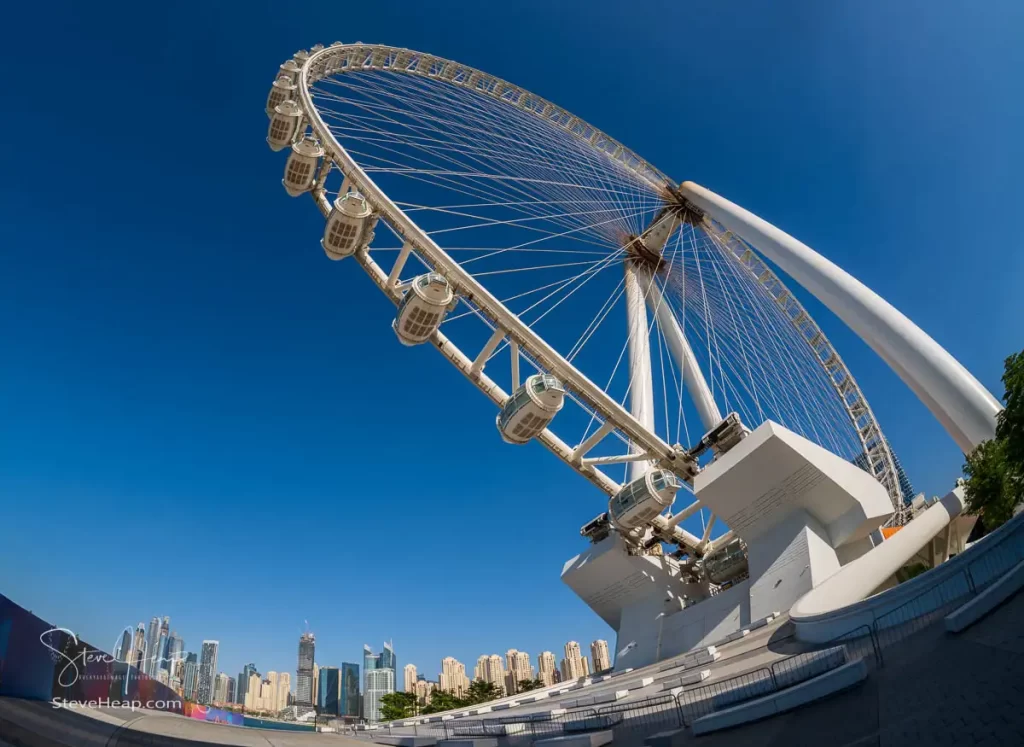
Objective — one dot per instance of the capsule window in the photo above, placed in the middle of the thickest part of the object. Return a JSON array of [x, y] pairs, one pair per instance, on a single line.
[[529, 426], [298, 171], [280, 129], [343, 235]]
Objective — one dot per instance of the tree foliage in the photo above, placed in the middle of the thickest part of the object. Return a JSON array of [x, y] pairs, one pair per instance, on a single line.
[[397, 706], [527, 685], [995, 469], [479, 692]]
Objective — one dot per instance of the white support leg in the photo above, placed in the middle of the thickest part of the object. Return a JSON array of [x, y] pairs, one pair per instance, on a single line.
[[693, 377], [965, 408], [400, 260], [592, 441], [641, 391], [514, 349], [485, 353]]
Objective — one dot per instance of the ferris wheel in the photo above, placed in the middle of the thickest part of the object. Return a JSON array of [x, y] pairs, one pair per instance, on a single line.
[[602, 308]]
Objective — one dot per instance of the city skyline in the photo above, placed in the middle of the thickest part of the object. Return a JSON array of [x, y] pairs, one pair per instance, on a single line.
[[184, 670]]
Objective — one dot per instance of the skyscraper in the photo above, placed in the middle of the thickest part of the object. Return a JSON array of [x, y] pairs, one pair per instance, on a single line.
[[207, 670], [304, 673], [162, 643], [137, 653], [316, 681], [519, 668], [409, 680], [242, 687], [424, 691], [453, 677], [220, 688], [328, 697], [152, 650], [387, 659], [350, 699], [191, 680], [586, 666], [124, 646], [573, 668], [284, 690], [546, 668], [269, 694], [175, 647], [370, 660], [378, 683], [599, 653], [491, 669]]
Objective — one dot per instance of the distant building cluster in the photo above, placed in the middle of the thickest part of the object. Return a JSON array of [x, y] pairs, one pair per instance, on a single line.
[[159, 652], [340, 692]]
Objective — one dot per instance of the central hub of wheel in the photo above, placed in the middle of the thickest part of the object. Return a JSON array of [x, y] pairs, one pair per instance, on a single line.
[[637, 248]]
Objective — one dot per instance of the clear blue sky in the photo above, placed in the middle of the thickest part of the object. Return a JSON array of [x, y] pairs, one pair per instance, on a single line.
[[196, 419]]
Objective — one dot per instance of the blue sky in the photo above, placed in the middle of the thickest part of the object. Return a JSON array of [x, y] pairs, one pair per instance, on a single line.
[[199, 420]]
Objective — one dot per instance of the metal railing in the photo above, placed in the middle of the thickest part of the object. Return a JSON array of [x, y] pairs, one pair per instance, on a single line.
[[935, 602]]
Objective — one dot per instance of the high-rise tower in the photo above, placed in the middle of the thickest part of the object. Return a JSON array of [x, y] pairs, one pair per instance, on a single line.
[[304, 673]]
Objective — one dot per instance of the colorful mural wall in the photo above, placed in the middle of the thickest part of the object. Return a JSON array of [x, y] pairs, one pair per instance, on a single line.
[[40, 661], [216, 715]]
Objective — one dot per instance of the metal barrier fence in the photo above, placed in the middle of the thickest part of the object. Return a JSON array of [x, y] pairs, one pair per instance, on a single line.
[[1006, 551], [536, 725], [647, 716]]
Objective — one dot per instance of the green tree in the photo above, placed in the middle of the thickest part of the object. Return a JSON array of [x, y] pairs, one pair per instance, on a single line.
[[995, 469], [527, 685], [482, 692], [442, 700], [397, 705]]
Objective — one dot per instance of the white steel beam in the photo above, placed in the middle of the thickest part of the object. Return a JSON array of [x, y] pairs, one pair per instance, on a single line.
[[641, 383], [965, 408], [481, 359], [400, 260], [693, 377], [592, 440]]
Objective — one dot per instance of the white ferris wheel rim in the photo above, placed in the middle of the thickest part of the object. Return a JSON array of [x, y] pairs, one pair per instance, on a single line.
[[341, 58]]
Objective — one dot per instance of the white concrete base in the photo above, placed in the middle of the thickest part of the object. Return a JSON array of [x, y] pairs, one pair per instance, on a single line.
[[678, 683], [640, 683], [845, 676], [593, 739], [987, 600], [610, 697], [408, 741]]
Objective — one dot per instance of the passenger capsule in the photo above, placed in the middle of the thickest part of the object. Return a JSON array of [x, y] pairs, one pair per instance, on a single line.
[[284, 125], [290, 69], [727, 563], [300, 57], [349, 226], [422, 308], [300, 169], [530, 408], [640, 501], [281, 90]]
